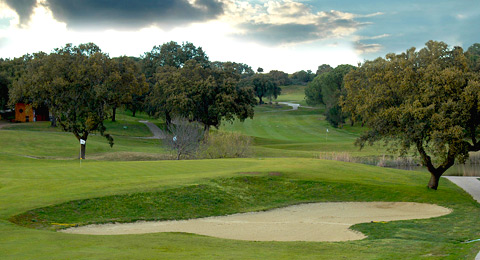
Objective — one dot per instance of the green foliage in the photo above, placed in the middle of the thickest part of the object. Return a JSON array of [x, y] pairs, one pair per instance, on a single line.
[[428, 100], [264, 86], [313, 91], [4, 86], [201, 94], [281, 78], [473, 57], [302, 77], [241, 70], [10, 71], [125, 84], [326, 89], [71, 82], [324, 68], [187, 84]]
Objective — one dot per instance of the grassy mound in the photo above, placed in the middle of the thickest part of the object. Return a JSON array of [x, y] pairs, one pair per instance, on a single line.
[[217, 197]]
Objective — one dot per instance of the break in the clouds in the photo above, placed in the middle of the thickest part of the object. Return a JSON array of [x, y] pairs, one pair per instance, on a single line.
[[122, 14], [287, 22]]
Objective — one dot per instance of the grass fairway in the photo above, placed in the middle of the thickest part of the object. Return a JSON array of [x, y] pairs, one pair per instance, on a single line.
[[46, 193], [27, 184], [280, 132], [293, 93]]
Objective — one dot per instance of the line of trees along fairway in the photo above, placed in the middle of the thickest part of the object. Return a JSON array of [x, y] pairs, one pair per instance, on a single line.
[[326, 88], [428, 100]]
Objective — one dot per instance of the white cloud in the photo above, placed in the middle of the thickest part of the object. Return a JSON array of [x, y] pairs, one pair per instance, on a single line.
[[44, 33], [287, 22], [362, 48]]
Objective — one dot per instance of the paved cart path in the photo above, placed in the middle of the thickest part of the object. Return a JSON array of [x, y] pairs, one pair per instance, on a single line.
[[470, 185], [156, 131]]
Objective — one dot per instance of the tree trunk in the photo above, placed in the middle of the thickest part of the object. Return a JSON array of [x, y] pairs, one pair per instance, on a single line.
[[261, 101], [114, 109], [82, 151], [133, 112], [434, 179], [53, 122], [435, 172], [168, 119]]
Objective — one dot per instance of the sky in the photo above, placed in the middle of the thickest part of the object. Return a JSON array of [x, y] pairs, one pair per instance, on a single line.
[[287, 35]]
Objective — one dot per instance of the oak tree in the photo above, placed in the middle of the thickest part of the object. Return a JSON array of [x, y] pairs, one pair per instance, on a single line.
[[427, 100], [203, 94], [124, 83], [70, 82]]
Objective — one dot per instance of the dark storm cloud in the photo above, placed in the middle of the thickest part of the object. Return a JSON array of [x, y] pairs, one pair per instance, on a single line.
[[24, 8], [121, 14]]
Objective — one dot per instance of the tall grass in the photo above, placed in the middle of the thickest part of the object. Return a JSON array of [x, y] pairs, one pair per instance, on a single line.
[[226, 145], [381, 161], [338, 156]]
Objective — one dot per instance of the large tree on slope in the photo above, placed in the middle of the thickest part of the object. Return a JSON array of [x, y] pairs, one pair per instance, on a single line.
[[427, 100]]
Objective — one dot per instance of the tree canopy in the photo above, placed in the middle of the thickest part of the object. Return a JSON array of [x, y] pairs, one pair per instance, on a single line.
[[124, 83], [427, 100], [263, 86], [203, 94], [473, 57], [72, 82], [302, 77], [280, 78], [326, 88], [324, 68]]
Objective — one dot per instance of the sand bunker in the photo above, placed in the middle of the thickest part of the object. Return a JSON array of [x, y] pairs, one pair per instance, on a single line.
[[307, 222]]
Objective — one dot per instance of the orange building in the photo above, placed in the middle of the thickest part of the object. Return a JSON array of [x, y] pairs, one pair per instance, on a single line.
[[26, 113], [23, 112]]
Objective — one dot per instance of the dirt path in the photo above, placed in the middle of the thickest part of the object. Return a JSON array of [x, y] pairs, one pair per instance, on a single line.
[[3, 124], [156, 131], [307, 222]]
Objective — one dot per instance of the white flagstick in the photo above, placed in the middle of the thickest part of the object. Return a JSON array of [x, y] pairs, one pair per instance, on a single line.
[[326, 135], [82, 142]]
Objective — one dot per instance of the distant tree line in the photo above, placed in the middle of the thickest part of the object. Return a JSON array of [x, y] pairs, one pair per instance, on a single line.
[[82, 86]]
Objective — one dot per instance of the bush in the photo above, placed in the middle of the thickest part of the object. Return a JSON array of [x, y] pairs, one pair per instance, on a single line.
[[183, 137], [226, 145]]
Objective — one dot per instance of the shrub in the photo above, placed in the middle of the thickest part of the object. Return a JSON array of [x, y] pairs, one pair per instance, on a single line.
[[226, 145], [183, 137]]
